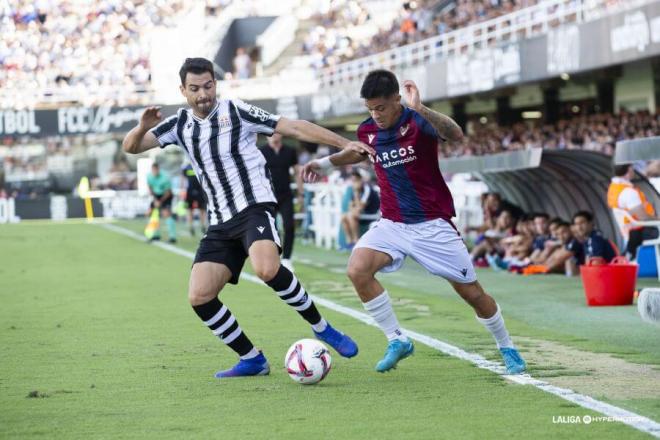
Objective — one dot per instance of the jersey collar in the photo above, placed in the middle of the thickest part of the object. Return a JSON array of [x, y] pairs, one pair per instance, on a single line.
[[213, 112]]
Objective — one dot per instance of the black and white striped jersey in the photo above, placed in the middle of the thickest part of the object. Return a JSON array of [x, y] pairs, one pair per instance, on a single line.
[[223, 151]]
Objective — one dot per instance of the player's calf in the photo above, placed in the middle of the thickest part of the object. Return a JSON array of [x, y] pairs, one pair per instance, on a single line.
[[292, 292], [206, 280]]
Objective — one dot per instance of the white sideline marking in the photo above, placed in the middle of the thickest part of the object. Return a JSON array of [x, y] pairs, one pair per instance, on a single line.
[[629, 418]]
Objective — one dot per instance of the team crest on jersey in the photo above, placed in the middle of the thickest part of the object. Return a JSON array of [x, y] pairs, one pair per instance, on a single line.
[[258, 113], [371, 137], [224, 122], [403, 130]]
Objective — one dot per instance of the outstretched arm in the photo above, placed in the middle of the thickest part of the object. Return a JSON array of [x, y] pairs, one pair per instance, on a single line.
[[446, 127], [140, 138], [309, 132], [316, 168]]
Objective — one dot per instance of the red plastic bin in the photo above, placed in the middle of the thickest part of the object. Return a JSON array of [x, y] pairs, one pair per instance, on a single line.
[[610, 284]]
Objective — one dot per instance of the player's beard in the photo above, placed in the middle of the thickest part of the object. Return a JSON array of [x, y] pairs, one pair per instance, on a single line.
[[204, 107]]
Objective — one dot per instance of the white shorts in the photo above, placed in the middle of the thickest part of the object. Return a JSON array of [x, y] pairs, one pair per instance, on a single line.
[[434, 244]]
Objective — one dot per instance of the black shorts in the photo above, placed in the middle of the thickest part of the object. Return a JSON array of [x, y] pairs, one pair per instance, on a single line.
[[165, 204], [195, 200], [228, 243]]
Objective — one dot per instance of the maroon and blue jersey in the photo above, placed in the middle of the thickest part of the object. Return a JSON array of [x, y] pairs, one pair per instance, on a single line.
[[412, 189]]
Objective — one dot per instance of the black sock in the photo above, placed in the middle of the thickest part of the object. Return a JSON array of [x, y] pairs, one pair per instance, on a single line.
[[289, 289], [222, 323]]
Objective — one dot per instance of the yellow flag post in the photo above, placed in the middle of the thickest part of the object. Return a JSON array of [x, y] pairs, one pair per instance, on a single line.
[[83, 192]]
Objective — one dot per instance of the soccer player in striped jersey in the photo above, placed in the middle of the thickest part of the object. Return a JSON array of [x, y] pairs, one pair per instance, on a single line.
[[219, 136], [417, 208]]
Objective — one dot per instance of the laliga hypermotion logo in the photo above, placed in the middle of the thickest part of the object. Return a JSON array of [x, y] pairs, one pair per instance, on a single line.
[[394, 157]]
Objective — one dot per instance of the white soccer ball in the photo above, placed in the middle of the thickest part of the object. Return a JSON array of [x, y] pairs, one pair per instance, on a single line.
[[648, 305], [308, 361]]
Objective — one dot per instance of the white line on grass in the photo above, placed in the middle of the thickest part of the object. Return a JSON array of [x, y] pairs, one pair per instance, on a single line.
[[614, 412]]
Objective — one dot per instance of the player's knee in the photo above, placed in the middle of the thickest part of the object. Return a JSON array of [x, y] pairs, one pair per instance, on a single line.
[[358, 272], [199, 295], [266, 272]]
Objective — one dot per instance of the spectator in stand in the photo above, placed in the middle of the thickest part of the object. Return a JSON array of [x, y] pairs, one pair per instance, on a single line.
[[242, 64]]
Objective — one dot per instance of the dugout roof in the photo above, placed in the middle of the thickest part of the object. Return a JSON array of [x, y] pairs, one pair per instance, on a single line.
[[561, 183]]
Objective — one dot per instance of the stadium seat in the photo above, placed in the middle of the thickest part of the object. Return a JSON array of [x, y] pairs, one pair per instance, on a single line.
[[624, 222], [654, 243]]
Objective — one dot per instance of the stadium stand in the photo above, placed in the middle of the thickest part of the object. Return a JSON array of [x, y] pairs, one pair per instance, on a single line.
[[352, 33], [596, 132], [61, 49]]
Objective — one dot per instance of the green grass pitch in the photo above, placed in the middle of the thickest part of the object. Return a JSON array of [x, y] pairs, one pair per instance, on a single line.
[[97, 340]]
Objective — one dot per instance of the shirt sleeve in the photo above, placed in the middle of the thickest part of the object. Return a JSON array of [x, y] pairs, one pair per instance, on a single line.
[[165, 132], [629, 198], [255, 119]]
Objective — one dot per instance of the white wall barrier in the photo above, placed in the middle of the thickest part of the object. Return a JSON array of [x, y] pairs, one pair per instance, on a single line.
[[8, 211]]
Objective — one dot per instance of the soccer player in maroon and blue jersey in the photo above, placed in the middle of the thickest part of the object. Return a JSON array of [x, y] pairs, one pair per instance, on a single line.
[[417, 208]]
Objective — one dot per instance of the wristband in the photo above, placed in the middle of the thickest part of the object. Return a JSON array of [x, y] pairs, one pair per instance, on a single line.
[[325, 163]]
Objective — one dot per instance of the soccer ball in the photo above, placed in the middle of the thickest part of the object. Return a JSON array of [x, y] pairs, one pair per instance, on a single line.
[[308, 361], [648, 305]]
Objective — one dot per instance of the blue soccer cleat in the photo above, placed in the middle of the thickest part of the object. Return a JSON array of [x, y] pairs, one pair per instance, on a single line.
[[513, 361], [257, 366], [342, 343], [396, 351]]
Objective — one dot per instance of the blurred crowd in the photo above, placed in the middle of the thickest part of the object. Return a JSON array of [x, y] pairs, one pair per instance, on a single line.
[[30, 168], [598, 132], [336, 38], [77, 46]]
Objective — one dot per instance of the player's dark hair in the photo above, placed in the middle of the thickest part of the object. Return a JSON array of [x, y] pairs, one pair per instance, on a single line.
[[379, 84], [196, 66], [563, 223], [544, 215], [356, 173], [155, 165], [584, 214], [621, 170]]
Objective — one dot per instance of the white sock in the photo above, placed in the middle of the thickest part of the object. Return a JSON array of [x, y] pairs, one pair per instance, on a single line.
[[320, 326], [496, 327], [251, 354], [380, 308]]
